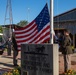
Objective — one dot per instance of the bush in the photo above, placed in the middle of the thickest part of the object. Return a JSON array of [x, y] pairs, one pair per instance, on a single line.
[[69, 72], [15, 71]]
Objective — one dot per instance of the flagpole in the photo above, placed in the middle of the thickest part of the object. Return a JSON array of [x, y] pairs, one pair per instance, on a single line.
[[51, 22]]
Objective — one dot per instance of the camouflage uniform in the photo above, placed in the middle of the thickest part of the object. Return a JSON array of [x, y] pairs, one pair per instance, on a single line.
[[67, 51], [15, 51]]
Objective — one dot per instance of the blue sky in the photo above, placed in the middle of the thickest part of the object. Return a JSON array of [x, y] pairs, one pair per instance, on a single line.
[[20, 8]]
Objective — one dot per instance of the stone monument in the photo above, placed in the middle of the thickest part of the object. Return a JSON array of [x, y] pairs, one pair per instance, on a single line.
[[39, 59]]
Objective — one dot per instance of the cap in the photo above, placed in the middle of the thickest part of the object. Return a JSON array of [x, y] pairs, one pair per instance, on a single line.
[[66, 30]]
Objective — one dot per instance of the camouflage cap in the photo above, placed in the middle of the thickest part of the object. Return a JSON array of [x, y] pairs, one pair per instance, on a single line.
[[66, 30]]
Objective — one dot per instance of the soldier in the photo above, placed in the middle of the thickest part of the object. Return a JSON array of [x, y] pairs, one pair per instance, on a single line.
[[15, 51], [67, 50]]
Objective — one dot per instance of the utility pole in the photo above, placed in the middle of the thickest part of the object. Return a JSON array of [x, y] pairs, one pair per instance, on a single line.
[[8, 17], [8, 21], [51, 22]]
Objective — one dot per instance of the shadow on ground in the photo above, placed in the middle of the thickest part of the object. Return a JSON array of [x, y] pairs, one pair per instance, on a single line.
[[7, 64]]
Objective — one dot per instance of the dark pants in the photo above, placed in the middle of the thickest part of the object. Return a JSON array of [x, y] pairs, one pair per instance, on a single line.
[[67, 62], [9, 51], [15, 53]]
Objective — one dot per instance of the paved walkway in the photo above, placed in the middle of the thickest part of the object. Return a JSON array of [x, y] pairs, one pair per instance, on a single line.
[[61, 63], [6, 62]]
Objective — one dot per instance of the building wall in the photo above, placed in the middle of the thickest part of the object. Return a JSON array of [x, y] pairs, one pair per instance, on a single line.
[[70, 25]]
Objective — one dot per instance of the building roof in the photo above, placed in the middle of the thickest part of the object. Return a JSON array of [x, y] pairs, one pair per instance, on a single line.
[[66, 16], [12, 26]]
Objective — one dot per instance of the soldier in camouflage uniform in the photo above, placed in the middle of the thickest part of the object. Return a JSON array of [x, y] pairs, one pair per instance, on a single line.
[[67, 50], [15, 51]]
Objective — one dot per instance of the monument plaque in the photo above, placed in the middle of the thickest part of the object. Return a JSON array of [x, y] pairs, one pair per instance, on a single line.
[[39, 59]]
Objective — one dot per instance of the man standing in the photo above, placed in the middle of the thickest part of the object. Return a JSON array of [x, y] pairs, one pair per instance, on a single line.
[[15, 51], [67, 50]]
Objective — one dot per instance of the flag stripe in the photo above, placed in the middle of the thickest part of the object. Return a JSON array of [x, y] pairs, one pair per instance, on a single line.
[[42, 41], [37, 38], [27, 34], [42, 37], [43, 31], [25, 28], [38, 31], [31, 39]]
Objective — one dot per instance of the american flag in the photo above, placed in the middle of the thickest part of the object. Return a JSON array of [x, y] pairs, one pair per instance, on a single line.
[[38, 31]]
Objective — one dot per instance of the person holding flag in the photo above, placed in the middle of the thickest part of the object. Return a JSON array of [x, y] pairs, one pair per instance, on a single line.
[[15, 50]]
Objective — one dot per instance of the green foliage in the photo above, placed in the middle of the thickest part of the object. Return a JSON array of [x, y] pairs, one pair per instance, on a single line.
[[22, 23], [15, 71], [69, 72], [1, 30]]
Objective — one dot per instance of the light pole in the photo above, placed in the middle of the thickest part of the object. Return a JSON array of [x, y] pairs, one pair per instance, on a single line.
[[28, 14], [51, 22]]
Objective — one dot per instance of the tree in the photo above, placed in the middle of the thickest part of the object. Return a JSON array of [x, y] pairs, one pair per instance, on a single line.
[[1, 30], [22, 23]]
